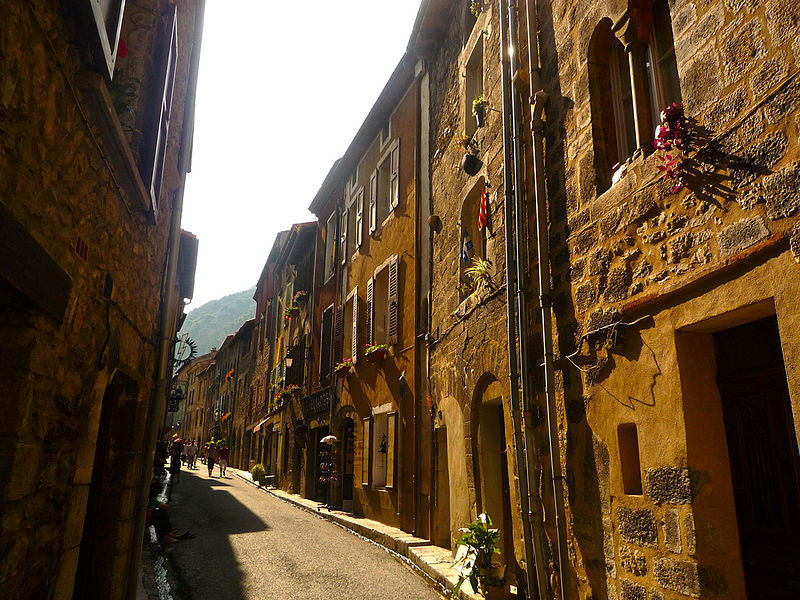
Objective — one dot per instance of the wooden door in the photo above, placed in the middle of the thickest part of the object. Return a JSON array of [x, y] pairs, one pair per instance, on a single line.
[[765, 465]]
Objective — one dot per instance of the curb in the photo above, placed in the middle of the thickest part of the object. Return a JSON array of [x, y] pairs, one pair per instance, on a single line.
[[433, 562]]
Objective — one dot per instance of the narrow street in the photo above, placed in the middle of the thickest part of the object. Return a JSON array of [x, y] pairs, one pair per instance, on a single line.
[[251, 545]]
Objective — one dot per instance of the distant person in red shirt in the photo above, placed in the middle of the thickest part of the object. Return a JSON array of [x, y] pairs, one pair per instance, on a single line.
[[224, 453]]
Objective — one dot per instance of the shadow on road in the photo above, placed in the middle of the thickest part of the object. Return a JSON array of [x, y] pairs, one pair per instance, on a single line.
[[206, 566]]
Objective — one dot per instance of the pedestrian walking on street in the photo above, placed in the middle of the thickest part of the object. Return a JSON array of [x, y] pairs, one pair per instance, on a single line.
[[224, 453], [175, 461], [211, 458], [191, 454]]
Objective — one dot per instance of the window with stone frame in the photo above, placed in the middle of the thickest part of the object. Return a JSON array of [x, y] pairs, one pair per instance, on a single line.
[[633, 75], [468, 21], [473, 238], [473, 85]]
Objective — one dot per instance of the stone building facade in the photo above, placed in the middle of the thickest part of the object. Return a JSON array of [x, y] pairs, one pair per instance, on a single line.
[[194, 413], [675, 304], [91, 186]]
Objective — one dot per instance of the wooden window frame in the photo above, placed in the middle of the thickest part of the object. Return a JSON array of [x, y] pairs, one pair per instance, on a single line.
[[366, 452], [108, 34]]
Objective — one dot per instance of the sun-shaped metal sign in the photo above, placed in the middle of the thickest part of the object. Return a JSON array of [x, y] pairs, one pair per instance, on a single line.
[[185, 351]]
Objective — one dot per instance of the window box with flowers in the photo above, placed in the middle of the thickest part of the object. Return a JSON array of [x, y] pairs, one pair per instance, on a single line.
[[376, 352], [344, 368]]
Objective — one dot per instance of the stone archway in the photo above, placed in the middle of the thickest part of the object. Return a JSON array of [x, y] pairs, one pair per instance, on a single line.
[[492, 480]]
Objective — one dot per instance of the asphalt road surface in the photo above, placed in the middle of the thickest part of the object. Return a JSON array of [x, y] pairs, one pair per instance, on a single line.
[[250, 545]]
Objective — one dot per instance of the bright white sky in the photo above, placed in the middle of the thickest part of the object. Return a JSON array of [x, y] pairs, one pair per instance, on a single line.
[[283, 88]]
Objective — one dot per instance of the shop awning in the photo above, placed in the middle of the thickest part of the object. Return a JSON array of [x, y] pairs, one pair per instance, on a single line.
[[257, 427]]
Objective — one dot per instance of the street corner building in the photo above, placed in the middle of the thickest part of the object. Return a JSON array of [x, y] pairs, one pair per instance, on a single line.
[[96, 122]]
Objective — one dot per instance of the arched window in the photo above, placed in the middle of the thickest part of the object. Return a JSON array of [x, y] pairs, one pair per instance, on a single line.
[[633, 75], [612, 104], [662, 67], [473, 238]]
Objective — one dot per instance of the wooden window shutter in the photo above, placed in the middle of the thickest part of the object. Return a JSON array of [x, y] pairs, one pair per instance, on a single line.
[[373, 201], [157, 144], [343, 237], [391, 437], [354, 343], [393, 301], [366, 453], [394, 178], [339, 335], [360, 218], [326, 344], [370, 311]]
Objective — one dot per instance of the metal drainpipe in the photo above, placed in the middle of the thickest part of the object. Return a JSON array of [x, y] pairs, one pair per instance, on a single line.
[[511, 283], [539, 98], [155, 412]]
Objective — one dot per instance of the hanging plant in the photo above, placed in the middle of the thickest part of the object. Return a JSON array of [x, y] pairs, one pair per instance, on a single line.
[[463, 140], [479, 105], [672, 139], [299, 297], [475, 7], [290, 312]]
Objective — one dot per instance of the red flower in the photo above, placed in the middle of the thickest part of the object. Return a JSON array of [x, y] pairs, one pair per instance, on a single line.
[[122, 49]]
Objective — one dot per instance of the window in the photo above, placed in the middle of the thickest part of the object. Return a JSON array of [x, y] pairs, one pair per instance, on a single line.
[[107, 16], [662, 68], [386, 134], [351, 326], [158, 142], [474, 237], [468, 21], [384, 186], [612, 104], [473, 86], [354, 227], [630, 85], [326, 342], [383, 449], [629, 459], [330, 247], [383, 304], [366, 439]]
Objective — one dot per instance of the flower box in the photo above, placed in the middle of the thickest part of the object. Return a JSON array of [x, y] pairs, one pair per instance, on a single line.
[[377, 353], [343, 369]]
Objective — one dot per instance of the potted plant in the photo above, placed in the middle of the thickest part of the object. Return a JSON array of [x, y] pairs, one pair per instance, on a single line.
[[299, 297], [475, 7], [376, 352], [479, 273], [290, 312], [477, 563], [344, 368], [258, 473], [471, 164], [479, 105]]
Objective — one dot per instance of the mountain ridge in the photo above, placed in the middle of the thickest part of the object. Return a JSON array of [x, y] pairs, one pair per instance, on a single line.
[[209, 324]]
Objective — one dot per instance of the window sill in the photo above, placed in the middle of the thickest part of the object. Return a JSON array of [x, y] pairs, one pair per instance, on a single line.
[[104, 119], [474, 300]]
